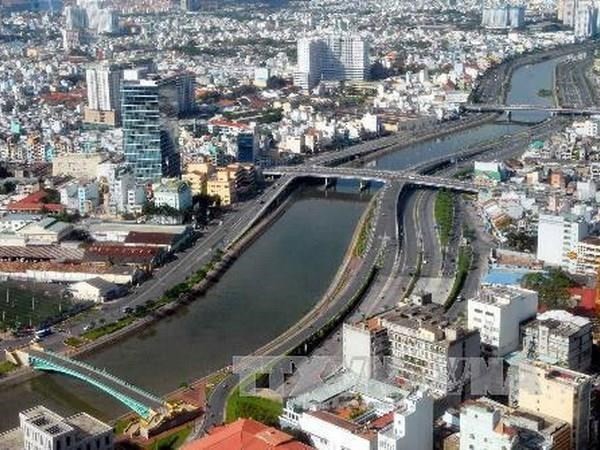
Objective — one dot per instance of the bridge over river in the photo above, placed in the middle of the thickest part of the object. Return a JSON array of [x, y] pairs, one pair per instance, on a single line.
[[138, 400]]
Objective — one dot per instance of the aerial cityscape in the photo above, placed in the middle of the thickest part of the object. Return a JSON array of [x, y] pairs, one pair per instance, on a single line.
[[299, 224]]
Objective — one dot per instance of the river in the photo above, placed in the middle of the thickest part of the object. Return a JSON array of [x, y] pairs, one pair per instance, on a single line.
[[278, 279]]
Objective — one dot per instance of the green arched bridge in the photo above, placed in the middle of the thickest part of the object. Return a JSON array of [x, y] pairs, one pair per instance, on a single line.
[[143, 403]]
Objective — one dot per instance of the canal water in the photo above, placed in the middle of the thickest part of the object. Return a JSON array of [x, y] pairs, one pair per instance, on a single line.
[[275, 282], [278, 279]]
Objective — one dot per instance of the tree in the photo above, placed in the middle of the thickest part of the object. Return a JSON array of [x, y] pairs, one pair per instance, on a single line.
[[552, 287]]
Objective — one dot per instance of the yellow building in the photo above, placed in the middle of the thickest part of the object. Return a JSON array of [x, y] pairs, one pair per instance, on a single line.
[[559, 393], [196, 174], [222, 188]]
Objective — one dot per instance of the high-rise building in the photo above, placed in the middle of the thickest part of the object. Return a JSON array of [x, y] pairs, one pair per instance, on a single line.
[[103, 87], [190, 5], [586, 18], [308, 72], [503, 17], [335, 57], [556, 392], [149, 112], [558, 237], [497, 313]]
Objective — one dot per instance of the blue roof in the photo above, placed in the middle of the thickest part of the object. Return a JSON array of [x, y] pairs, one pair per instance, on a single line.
[[505, 276]]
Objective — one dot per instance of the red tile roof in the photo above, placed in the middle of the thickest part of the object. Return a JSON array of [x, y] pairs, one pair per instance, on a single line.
[[35, 202], [141, 237], [246, 434], [121, 254]]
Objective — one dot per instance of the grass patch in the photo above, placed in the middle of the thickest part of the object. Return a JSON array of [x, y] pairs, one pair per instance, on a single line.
[[444, 215], [363, 235], [463, 266], [6, 367], [121, 425], [257, 408], [96, 333], [74, 341], [171, 441]]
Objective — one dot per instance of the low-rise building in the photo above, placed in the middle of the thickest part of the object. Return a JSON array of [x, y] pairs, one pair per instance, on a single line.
[[349, 411], [223, 189], [96, 290], [486, 424], [174, 193], [46, 231], [82, 196], [246, 434], [41, 429], [560, 338], [497, 313]]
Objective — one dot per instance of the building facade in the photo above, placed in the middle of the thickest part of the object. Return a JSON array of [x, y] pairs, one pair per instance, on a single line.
[[497, 313], [559, 393], [558, 237], [149, 113], [335, 58], [560, 337]]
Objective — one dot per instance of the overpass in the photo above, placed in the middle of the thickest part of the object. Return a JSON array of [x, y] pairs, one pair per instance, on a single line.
[[363, 174], [556, 110], [141, 402]]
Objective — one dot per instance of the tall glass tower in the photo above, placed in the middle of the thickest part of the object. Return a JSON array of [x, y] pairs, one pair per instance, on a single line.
[[149, 130]]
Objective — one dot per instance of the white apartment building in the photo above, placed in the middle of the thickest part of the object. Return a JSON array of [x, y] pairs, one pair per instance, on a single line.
[[363, 347], [334, 57], [482, 428], [41, 429], [385, 417], [558, 237], [103, 87], [497, 313], [561, 338]]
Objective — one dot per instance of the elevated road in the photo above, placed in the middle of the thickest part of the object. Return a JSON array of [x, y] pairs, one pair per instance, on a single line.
[[364, 174], [556, 110]]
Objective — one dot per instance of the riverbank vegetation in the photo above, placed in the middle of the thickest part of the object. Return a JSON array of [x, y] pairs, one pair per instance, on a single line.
[[444, 215], [363, 236]]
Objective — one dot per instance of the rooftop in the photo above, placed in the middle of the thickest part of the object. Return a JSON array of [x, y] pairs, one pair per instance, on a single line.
[[246, 434], [560, 322]]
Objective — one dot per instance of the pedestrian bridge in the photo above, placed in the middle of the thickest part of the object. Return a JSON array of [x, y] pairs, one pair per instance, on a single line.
[[364, 174], [141, 402]]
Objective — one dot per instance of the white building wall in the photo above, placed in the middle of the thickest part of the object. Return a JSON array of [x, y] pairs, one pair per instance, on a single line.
[[327, 436]]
